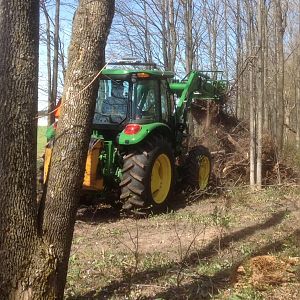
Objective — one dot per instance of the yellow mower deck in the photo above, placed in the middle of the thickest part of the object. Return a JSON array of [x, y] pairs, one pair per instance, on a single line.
[[92, 180]]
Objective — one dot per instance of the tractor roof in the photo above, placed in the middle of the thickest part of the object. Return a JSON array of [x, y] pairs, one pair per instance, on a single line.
[[126, 74]]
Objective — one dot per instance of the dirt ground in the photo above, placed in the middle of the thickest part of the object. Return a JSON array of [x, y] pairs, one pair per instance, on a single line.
[[241, 245]]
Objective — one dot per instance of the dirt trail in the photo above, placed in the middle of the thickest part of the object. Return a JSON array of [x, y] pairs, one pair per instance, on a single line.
[[190, 253]]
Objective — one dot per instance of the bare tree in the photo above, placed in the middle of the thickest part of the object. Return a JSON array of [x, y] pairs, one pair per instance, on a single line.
[[238, 60], [280, 14], [214, 35], [261, 95], [49, 72], [55, 59], [188, 33], [252, 80]]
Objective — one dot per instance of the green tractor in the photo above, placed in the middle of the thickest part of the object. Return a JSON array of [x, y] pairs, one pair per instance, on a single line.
[[138, 146]]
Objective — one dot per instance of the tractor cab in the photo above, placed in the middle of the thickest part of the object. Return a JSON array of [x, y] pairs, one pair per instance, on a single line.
[[132, 96], [112, 102]]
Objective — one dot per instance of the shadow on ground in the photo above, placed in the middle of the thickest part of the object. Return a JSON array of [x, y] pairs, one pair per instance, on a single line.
[[201, 287], [103, 213]]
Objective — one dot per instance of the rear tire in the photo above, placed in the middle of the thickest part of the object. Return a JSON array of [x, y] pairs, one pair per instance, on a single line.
[[148, 175], [197, 168]]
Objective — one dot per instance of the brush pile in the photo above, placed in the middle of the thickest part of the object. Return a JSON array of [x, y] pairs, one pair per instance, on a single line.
[[228, 140]]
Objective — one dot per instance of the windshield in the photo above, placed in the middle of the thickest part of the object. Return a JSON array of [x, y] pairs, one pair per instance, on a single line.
[[145, 100], [112, 102]]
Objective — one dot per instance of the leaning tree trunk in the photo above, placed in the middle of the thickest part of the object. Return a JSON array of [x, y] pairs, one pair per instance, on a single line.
[[86, 57], [35, 247]]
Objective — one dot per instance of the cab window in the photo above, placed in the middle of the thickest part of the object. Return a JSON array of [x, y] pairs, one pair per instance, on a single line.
[[145, 99]]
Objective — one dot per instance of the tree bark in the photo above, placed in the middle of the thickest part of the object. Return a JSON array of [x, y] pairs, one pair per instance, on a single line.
[[298, 91], [298, 117], [266, 117], [280, 26], [164, 40], [252, 130], [49, 72], [226, 38], [188, 30], [147, 35], [212, 27], [19, 42], [173, 36], [252, 111], [261, 96], [239, 64], [55, 60], [86, 56]]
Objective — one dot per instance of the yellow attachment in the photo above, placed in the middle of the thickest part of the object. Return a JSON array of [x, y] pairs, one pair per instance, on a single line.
[[47, 159], [161, 177], [204, 171], [92, 179]]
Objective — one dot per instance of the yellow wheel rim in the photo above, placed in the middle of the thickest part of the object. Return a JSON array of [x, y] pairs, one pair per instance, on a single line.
[[161, 176], [204, 171]]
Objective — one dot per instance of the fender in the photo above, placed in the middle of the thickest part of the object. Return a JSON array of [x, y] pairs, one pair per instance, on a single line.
[[145, 130]]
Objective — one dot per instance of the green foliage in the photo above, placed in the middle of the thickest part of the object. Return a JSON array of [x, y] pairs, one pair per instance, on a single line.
[[212, 267], [247, 293], [221, 218], [246, 249]]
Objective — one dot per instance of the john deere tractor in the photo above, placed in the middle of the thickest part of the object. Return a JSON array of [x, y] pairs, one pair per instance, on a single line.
[[138, 146]]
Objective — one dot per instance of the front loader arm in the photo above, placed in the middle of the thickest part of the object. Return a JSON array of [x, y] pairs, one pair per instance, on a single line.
[[197, 86]]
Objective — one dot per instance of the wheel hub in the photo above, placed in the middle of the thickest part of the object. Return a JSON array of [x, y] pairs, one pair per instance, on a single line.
[[161, 176], [204, 171]]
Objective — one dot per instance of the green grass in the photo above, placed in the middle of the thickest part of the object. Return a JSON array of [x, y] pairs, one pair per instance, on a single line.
[[246, 293], [41, 140]]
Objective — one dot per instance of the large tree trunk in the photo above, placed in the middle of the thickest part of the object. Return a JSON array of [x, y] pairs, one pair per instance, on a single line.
[[35, 246], [19, 38]]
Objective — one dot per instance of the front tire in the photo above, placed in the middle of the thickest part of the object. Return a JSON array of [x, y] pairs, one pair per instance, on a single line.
[[148, 175]]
